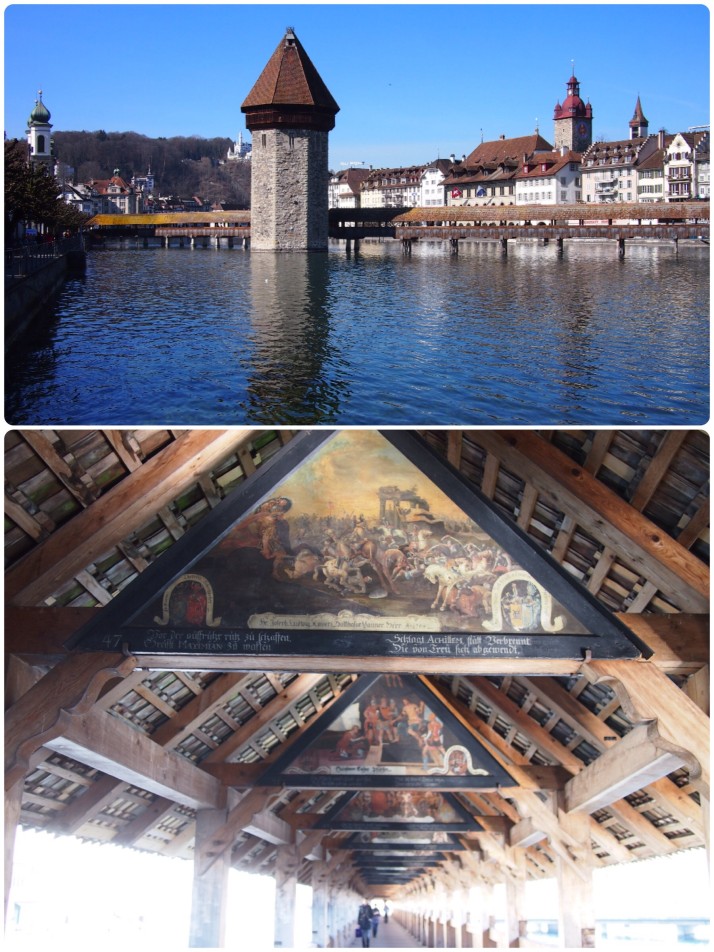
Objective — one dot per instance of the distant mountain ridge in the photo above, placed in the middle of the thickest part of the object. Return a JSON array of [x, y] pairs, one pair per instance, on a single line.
[[181, 165]]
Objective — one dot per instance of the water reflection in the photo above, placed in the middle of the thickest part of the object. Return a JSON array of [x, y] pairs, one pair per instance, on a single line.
[[156, 337], [292, 375]]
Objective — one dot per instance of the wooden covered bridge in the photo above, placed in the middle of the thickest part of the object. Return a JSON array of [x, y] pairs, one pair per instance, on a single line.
[[397, 665], [618, 222]]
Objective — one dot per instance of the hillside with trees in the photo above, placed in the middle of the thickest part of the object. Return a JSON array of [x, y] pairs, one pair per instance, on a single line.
[[182, 165]]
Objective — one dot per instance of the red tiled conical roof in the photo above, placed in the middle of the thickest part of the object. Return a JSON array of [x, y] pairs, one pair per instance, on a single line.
[[289, 85]]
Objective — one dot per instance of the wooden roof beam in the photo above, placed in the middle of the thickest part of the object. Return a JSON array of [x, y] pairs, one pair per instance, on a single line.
[[108, 744], [647, 694], [112, 517], [571, 489], [49, 707], [638, 759], [271, 828]]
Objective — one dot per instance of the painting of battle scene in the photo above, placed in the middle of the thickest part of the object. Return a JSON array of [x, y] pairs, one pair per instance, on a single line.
[[410, 807], [389, 730], [402, 842], [359, 537]]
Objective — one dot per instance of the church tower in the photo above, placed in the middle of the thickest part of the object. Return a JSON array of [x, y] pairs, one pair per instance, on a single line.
[[38, 130], [638, 124], [573, 120], [289, 112]]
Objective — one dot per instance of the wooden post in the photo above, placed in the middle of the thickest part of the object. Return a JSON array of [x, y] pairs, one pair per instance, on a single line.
[[576, 919], [287, 865], [210, 885], [483, 918], [504, 246], [331, 916], [13, 804], [319, 904], [621, 247], [516, 926]]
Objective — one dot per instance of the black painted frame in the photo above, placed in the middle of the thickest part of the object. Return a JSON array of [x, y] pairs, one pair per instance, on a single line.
[[112, 629]]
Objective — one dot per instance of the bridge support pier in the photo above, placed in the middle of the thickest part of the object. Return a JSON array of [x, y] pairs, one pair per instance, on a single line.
[[621, 247], [676, 246], [559, 245], [504, 246], [454, 245], [406, 246]]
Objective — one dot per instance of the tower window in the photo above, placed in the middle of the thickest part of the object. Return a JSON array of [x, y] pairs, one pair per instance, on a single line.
[[291, 142], [40, 143], [263, 139]]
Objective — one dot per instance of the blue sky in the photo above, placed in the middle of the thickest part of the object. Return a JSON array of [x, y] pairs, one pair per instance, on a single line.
[[414, 81]]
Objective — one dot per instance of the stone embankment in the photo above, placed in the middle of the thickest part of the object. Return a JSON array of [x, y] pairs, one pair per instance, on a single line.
[[33, 275]]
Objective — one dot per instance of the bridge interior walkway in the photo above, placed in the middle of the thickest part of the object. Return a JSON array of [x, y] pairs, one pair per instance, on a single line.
[[390, 935]]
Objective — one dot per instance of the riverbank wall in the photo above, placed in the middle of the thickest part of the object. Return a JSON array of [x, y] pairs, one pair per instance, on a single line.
[[32, 279]]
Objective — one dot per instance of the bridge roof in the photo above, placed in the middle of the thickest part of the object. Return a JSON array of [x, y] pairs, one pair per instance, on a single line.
[[168, 218], [666, 211], [623, 512]]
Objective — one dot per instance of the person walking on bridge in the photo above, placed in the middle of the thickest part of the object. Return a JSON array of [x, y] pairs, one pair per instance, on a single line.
[[364, 922]]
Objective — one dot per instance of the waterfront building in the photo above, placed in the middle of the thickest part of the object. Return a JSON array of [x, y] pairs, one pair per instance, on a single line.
[[549, 178], [573, 120], [289, 112], [487, 176], [39, 135], [610, 169], [432, 182], [393, 187], [114, 196], [344, 190], [81, 197], [686, 166], [651, 183], [144, 183]]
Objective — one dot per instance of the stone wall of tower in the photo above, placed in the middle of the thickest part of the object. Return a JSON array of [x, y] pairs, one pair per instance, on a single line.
[[563, 134], [289, 181]]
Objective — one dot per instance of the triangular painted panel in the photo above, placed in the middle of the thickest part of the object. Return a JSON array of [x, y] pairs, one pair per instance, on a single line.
[[358, 544], [398, 811], [396, 843], [387, 732]]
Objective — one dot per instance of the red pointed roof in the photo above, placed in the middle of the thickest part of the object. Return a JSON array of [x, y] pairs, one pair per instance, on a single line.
[[289, 86], [573, 107]]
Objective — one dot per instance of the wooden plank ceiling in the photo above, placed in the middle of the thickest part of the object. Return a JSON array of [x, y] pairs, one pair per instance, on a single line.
[[625, 512]]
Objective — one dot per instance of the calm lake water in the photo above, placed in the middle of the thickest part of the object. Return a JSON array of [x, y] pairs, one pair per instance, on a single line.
[[192, 337]]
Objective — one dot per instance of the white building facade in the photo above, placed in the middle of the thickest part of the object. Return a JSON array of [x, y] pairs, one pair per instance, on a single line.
[[686, 157], [550, 179]]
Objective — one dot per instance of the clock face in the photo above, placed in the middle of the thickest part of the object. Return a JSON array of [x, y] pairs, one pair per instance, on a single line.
[[582, 129]]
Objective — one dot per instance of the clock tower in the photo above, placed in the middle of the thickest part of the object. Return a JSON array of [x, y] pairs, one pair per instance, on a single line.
[[573, 120]]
